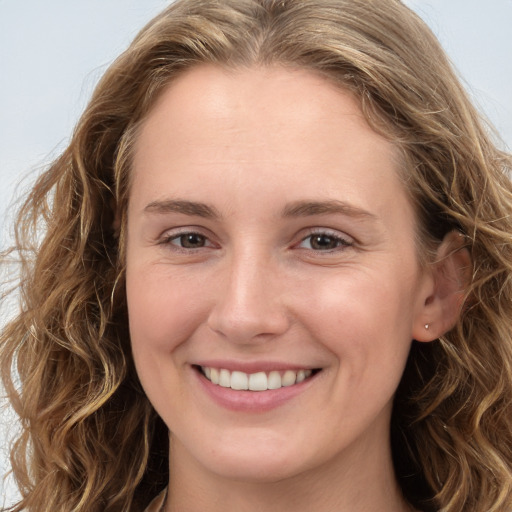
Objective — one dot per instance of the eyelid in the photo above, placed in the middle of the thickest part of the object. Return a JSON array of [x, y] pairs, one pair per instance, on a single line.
[[345, 240], [169, 235]]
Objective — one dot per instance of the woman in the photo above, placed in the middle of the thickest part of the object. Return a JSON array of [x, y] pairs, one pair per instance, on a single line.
[[262, 207]]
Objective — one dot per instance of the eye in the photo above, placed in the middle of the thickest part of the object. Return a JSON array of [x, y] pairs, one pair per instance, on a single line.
[[191, 240], [188, 240], [324, 242]]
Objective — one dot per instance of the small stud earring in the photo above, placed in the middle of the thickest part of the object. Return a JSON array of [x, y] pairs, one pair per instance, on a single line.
[[427, 326]]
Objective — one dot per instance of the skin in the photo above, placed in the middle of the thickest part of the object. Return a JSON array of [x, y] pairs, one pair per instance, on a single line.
[[258, 286]]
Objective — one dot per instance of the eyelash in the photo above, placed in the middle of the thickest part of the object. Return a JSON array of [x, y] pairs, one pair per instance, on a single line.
[[340, 242], [169, 239]]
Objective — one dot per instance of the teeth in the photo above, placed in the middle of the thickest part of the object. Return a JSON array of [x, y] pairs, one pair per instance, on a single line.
[[274, 380], [214, 375], [289, 378], [259, 381], [225, 379], [239, 380]]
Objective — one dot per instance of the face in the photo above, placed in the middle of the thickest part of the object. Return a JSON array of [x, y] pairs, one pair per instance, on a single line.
[[270, 247]]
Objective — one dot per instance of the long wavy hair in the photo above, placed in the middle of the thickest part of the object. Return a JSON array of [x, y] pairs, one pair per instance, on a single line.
[[90, 439]]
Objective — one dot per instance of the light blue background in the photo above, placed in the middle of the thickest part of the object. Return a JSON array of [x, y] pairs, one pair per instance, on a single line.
[[52, 53]]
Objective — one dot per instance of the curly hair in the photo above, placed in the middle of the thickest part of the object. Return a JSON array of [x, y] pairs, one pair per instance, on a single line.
[[90, 439]]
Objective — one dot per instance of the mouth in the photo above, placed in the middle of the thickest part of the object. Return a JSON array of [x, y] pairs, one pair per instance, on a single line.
[[259, 381]]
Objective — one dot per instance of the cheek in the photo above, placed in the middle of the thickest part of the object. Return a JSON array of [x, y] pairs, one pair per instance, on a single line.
[[162, 311], [365, 319], [163, 314]]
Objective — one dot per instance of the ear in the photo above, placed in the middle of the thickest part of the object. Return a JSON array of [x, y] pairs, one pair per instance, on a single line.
[[449, 278]]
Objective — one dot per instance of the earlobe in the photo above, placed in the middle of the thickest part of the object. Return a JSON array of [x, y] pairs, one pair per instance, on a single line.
[[450, 278]]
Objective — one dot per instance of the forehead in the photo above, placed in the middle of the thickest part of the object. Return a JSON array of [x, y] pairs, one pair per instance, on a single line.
[[213, 126], [218, 94]]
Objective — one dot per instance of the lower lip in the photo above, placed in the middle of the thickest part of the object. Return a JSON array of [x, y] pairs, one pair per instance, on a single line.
[[252, 401]]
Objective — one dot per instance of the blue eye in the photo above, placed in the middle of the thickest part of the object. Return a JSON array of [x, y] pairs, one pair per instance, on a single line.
[[323, 242]]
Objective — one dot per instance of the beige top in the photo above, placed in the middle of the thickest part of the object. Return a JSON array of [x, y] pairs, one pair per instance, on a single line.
[[157, 504]]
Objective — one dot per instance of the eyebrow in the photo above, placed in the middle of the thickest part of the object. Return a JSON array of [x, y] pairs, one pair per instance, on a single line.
[[183, 207], [294, 209], [309, 208]]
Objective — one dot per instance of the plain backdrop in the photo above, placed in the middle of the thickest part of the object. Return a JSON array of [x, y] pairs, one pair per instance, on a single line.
[[52, 53]]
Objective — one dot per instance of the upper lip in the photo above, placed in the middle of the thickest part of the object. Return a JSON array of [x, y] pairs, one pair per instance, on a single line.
[[253, 366]]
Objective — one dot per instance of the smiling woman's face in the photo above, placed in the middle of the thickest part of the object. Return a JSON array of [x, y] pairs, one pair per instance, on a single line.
[[270, 241]]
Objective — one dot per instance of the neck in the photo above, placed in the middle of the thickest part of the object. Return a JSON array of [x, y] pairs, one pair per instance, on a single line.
[[342, 484]]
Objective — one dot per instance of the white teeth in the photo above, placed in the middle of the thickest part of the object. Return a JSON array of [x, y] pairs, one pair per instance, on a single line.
[[239, 380], [274, 380], [289, 378], [225, 379], [259, 381], [214, 375]]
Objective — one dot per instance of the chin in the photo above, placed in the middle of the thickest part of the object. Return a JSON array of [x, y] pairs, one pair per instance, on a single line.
[[266, 461], [248, 470]]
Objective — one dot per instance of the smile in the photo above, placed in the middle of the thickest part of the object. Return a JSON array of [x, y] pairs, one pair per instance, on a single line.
[[260, 381]]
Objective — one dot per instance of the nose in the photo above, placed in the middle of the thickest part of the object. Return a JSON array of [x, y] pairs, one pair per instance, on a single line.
[[250, 303]]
